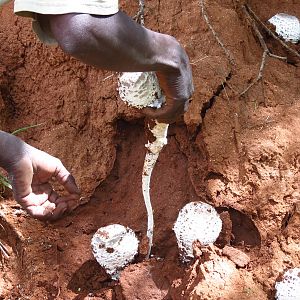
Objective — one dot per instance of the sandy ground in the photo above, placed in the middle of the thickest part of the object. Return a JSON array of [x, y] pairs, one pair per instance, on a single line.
[[239, 153]]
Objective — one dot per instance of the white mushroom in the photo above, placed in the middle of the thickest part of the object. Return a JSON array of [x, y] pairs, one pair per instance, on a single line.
[[196, 221], [289, 287], [114, 247], [159, 131], [287, 27], [141, 90]]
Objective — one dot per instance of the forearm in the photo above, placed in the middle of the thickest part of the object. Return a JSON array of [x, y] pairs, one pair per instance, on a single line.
[[118, 43], [11, 149], [114, 42]]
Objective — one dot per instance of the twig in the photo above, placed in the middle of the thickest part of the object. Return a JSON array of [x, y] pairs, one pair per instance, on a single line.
[[265, 53], [270, 32], [227, 52], [259, 76], [58, 293], [2, 228], [107, 77], [140, 16], [4, 251], [195, 62], [278, 57]]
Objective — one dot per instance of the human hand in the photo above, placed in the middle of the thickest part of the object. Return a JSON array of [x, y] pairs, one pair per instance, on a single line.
[[178, 88], [170, 111], [31, 176], [136, 49]]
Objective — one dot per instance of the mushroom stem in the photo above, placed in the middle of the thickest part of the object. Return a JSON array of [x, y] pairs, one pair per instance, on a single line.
[[153, 149]]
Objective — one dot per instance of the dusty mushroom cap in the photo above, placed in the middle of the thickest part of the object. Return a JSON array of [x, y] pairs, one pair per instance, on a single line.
[[196, 221], [140, 89], [287, 27], [289, 287], [114, 247]]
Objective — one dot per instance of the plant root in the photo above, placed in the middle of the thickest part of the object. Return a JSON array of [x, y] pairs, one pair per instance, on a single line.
[[252, 19], [140, 16], [3, 250], [270, 32], [206, 19]]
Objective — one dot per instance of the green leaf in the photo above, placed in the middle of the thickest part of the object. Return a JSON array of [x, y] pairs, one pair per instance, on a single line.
[[5, 182], [25, 128]]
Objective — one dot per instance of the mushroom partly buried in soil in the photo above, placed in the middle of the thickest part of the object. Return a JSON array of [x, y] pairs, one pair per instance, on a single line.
[[288, 288], [287, 27], [197, 221], [141, 89], [114, 247]]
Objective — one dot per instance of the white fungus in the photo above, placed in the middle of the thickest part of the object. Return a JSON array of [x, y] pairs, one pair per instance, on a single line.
[[141, 90], [196, 221], [114, 247], [289, 287], [287, 27], [159, 131]]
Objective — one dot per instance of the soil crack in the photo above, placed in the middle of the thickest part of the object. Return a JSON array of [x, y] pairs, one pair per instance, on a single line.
[[209, 104]]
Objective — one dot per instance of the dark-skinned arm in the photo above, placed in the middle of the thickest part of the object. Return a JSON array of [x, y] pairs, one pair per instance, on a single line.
[[118, 43], [30, 171]]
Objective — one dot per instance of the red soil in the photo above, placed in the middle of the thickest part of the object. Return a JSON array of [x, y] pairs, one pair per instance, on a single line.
[[240, 154]]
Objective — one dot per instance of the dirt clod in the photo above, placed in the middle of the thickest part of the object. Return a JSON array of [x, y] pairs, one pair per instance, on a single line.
[[240, 258]]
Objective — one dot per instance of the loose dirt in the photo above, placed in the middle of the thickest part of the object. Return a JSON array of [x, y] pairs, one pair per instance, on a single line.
[[240, 154]]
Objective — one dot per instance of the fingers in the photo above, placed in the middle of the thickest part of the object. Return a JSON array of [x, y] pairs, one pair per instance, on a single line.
[[40, 194], [169, 113], [30, 180], [54, 206], [45, 204], [72, 201], [48, 167], [41, 212], [63, 177], [49, 211]]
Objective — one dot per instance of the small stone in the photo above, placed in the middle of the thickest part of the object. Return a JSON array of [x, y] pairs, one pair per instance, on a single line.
[[143, 246], [237, 256]]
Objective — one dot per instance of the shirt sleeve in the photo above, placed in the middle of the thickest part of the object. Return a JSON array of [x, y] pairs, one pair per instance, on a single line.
[[2, 2]]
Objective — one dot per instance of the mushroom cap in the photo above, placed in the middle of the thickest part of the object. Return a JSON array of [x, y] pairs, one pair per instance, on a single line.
[[287, 27], [114, 247], [289, 287], [196, 221], [140, 89]]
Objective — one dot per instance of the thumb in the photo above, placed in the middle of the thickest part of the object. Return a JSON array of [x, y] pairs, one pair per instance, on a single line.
[[64, 177]]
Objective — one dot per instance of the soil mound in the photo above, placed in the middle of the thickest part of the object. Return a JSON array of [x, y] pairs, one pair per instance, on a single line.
[[237, 149]]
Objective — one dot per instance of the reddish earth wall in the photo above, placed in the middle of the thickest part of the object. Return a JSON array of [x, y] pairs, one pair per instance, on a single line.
[[241, 154]]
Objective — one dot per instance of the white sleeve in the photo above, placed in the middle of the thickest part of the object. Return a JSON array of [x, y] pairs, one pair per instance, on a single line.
[[2, 2]]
